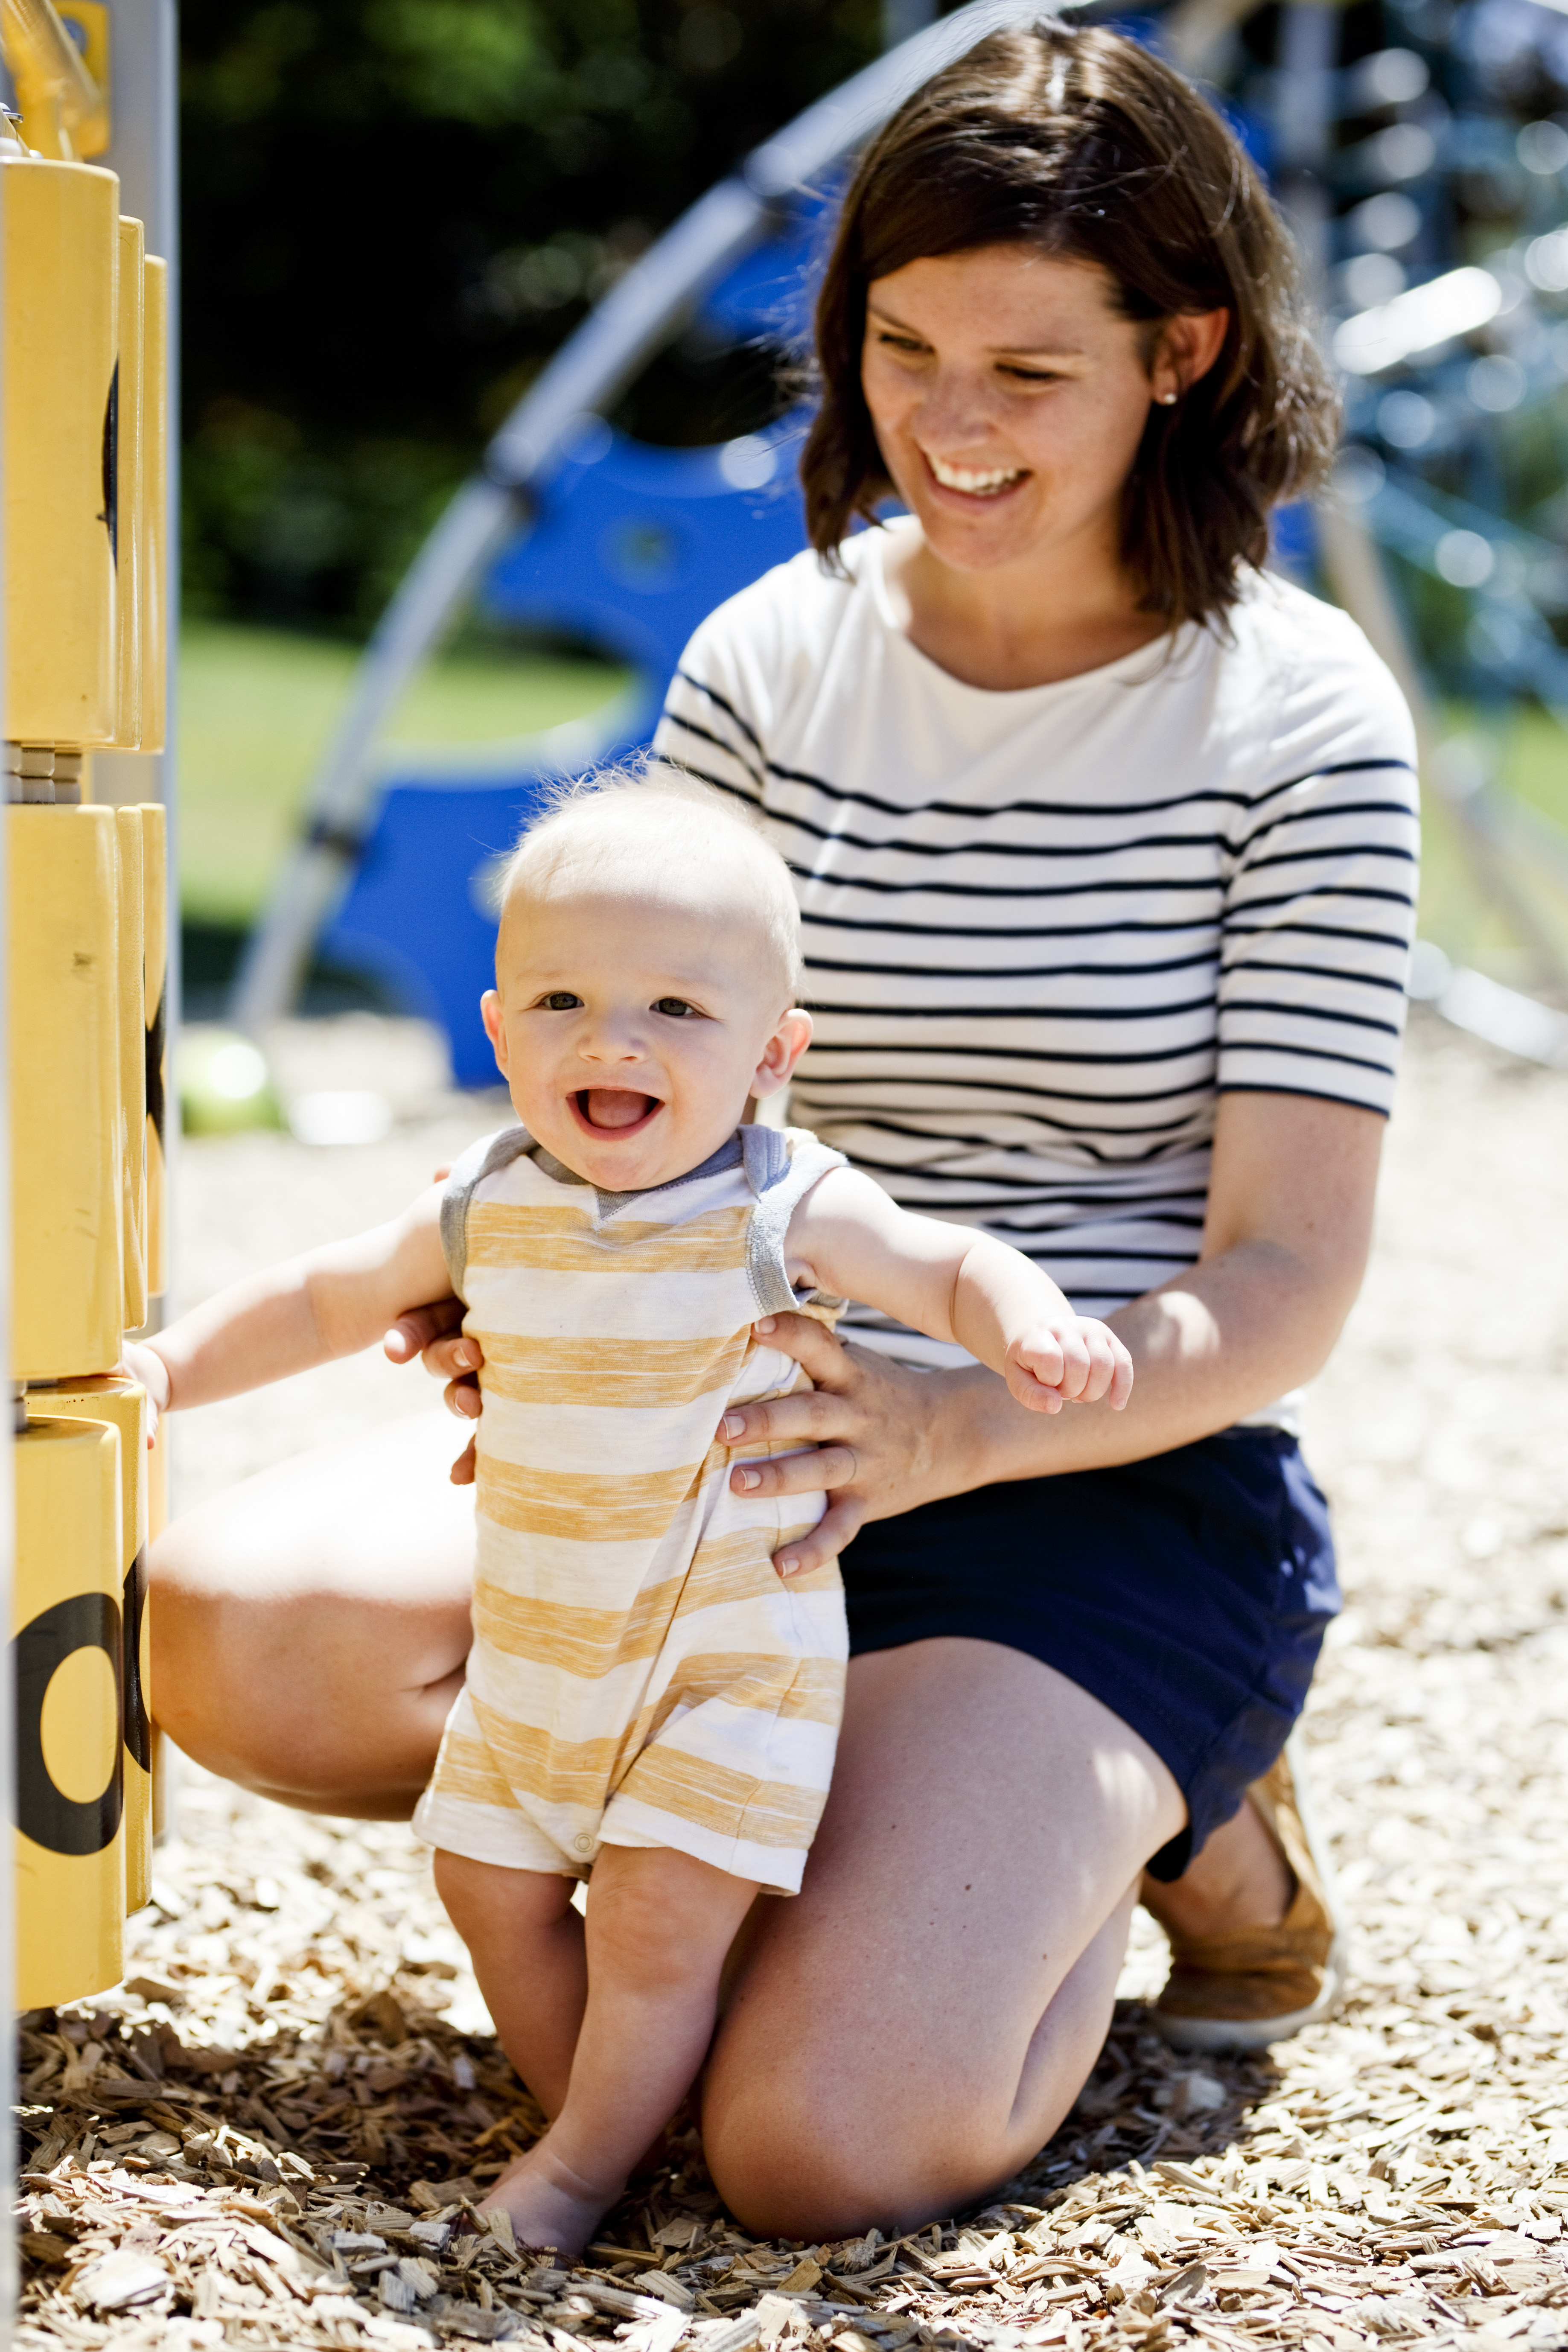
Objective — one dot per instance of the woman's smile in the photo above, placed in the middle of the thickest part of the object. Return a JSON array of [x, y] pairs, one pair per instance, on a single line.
[[971, 481]]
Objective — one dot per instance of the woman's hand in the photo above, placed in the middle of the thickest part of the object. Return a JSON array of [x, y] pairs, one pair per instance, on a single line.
[[435, 1336], [886, 1437]]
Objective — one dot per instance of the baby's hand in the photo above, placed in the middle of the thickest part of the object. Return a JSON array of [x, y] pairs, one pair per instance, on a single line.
[[144, 1364], [1074, 1361]]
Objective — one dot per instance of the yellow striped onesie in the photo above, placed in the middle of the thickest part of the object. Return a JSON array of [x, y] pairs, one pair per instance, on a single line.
[[640, 1673]]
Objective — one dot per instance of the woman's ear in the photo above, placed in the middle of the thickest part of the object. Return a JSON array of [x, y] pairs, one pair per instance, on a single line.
[[782, 1052], [495, 1028], [1188, 347]]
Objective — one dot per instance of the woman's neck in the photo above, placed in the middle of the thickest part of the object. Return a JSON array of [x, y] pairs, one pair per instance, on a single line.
[[1019, 625]]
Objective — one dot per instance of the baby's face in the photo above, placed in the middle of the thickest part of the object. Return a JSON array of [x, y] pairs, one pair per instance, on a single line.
[[631, 1025]]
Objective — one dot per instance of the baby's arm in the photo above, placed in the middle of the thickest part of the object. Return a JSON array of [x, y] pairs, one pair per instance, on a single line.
[[952, 1283], [308, 1310]]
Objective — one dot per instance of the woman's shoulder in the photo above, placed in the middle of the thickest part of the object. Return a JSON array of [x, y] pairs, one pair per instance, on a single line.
[[756, 655], [1307, 641], [1309, 666], [795, 607]]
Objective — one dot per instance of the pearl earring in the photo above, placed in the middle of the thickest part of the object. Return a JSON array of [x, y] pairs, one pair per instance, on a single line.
[[1166, 399]]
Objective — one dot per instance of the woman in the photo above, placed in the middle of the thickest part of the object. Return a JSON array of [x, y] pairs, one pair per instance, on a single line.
[[1105, 847]]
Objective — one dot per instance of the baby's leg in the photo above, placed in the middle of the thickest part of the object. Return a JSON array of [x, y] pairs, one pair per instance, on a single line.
[[526, 1942], [659, 1926]]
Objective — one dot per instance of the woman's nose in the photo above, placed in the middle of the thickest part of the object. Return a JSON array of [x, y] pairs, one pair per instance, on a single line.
[[955, 417]]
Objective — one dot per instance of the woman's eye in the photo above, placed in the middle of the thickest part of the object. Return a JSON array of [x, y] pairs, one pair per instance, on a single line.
[[560, 1000], [676, 1007]]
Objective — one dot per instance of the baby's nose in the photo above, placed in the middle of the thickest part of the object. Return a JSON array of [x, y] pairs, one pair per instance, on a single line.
[[612, 1040]]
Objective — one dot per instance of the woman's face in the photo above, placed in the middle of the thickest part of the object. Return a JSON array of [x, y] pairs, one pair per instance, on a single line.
[[1009, 396]]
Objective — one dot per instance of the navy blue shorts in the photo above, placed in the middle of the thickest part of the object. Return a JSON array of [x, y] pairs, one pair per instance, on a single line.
[[1189, 1593]]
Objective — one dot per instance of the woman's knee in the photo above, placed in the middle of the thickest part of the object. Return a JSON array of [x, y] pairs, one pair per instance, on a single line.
[[280, 1678], [801, 2145], [208, 1688], [810, 2138], [818, 2166]]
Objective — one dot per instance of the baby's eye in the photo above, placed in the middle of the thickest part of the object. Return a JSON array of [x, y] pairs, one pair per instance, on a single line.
[[560, 1000], [676, 1007]]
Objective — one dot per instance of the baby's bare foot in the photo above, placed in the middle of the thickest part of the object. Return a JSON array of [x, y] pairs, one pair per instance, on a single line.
[[550, 2206]]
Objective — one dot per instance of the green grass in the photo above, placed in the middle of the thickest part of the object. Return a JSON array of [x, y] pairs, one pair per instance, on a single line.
[[257, 708], [1527, 752], [1533, 756]]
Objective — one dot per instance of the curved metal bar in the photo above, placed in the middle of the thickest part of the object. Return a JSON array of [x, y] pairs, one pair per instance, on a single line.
[[835, 124], [628, 326], [634, 319]]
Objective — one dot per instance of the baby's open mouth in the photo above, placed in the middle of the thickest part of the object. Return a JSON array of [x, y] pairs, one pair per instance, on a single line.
[[612, 1109]]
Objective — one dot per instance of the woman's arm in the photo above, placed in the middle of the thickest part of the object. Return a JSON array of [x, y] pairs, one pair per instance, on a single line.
[[308, 1310], [1284, 1249]]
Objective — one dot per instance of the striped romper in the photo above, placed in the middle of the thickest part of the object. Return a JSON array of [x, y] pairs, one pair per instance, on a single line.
[[640, 1673]]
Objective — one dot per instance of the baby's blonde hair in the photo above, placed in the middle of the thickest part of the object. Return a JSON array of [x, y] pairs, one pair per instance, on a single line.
[[689, 816]]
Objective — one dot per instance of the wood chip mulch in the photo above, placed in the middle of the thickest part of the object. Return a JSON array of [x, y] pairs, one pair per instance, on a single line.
[[270, 2134]]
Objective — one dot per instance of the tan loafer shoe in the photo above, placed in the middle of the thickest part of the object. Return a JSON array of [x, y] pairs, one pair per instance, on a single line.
[[1245, 1991]]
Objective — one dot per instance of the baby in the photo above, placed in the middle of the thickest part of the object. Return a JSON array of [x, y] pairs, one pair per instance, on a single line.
[[653, 1696]]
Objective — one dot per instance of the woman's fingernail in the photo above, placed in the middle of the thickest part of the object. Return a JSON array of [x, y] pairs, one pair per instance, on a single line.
[[464, 1357], [749, 1479], [787, 1566], [768, 1323], [733, 1425]]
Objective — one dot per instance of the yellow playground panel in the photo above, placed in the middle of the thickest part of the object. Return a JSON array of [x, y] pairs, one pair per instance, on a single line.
[[86, 469]]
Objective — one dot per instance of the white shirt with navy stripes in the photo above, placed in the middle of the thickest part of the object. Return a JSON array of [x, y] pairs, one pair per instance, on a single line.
[[1046, 929]]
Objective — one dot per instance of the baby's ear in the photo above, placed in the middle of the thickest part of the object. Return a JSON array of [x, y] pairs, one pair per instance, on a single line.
[[495, 1028], [782, 1052]]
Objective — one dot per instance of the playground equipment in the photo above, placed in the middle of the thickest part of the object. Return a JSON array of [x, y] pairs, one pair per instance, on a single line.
[[84, 598], [570, 526]]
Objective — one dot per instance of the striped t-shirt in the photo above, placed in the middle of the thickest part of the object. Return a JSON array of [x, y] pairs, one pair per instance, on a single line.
[[1045, 928]]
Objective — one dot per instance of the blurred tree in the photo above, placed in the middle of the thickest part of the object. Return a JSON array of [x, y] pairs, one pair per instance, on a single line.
[[395, 209]]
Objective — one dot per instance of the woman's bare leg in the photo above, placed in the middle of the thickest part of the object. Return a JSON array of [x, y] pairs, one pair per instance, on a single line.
[[309, 1627], [909, 2029]]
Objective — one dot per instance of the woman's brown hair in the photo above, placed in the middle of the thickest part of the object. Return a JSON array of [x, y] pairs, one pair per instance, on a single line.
[[1083, 144]]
